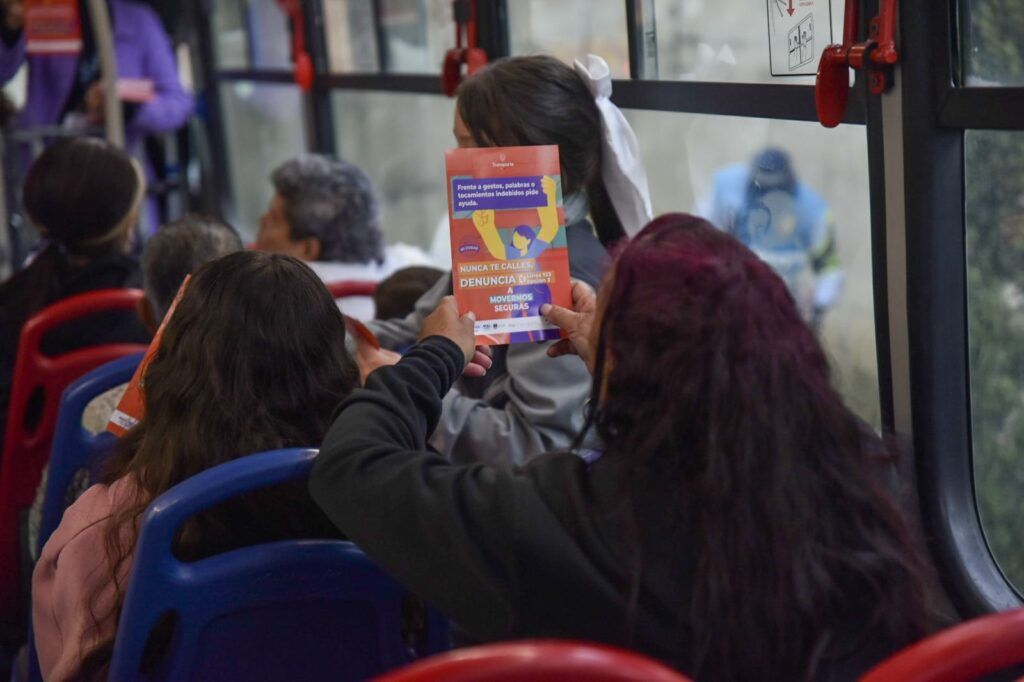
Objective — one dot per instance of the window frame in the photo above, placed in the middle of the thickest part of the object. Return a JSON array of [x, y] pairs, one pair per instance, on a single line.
[[937, 113]]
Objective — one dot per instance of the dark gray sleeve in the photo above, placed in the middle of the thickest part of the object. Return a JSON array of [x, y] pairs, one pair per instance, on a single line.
[[445, 531], [537, 408]]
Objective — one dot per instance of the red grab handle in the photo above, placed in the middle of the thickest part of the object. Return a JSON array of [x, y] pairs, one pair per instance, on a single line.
[[473, 56], [305, 74], [875, 56]]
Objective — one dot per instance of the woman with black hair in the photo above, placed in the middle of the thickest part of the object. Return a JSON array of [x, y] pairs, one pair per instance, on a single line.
[[83, 197], [253, 359], [527, 404]]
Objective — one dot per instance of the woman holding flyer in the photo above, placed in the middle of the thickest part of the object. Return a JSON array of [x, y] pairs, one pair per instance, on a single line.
[[734, 525], [527, 404]]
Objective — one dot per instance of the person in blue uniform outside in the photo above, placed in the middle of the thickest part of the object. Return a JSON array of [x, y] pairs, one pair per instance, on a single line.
[[786, 223]]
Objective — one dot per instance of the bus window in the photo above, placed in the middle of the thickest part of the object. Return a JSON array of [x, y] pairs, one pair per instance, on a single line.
[[229, 34], [251, 34], [351, 36], [265, 127], [994, 219], [992, 34], [727, 40], [270, 41], [570, 29], [797, 194], [416, 34], [399, 140]]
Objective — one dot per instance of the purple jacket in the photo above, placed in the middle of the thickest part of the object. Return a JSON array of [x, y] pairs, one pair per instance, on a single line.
[[143, 51]]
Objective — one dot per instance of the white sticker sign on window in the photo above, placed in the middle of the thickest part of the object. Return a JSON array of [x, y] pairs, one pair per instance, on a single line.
[[798, 30]]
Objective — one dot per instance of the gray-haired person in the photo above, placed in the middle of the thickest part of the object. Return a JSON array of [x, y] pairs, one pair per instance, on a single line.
[[325, 212], [176, 251]]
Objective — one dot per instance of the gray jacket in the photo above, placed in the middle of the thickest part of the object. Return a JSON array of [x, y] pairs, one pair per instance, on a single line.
[[529, 403]]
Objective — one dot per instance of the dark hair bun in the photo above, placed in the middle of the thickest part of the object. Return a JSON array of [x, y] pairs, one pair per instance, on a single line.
[[80, 189]]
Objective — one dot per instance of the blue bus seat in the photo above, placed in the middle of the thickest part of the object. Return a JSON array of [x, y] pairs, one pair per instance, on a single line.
[[74, 448], [295, 609]]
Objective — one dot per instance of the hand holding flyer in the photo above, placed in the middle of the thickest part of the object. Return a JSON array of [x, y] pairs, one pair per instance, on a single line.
[[509, 249]]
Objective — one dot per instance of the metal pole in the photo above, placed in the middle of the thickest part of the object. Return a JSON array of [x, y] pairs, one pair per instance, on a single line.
[[642, 40], [113, 115], [321, 109], [216, 180], [7, 255]]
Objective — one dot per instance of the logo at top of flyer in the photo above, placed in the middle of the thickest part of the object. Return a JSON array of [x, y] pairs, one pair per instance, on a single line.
[[469, 245], [502, 161]]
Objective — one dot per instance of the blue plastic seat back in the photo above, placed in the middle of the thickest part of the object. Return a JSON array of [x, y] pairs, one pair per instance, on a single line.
[[295, 610], [74, 448]]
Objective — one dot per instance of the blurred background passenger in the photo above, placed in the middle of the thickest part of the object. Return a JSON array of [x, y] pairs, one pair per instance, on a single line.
[[65, 89], [397, 294], [325, 212], [177, 250], [83, 196], [786, 223], [735, 525], [253, 359], [527, 405]]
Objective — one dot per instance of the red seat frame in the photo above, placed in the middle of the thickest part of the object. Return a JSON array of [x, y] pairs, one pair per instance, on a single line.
[[346, 288], [25, 452], [537, 661], [964, 652]]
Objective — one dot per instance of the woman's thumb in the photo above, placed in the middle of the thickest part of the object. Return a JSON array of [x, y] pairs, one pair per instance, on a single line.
[[557, 315]]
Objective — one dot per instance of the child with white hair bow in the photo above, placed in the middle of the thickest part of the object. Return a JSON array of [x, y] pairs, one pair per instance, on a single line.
[[529, 403]]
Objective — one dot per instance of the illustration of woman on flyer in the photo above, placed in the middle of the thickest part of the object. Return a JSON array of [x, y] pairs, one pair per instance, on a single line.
[[525, 243]]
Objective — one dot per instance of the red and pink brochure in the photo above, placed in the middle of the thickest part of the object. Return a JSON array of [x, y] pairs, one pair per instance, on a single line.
[[509, 249], [52, 27], [132, 407], [136, 90]]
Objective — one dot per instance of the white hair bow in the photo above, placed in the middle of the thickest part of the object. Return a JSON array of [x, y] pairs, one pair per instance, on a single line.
[[622, 170]]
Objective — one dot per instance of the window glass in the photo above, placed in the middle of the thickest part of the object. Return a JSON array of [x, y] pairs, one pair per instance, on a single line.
[[229, 34], [251, 34], [994, 214], [265, 128], [351, 36], [805, 211], [416, 34], [270, 37], [728, 40], [992, 47], [570, 29], [399, 140]]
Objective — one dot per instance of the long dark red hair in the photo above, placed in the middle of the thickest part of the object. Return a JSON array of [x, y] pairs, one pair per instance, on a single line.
[[703, 358]]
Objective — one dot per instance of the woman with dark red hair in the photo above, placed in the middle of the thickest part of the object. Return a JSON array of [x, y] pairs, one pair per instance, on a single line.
[[734, 525]]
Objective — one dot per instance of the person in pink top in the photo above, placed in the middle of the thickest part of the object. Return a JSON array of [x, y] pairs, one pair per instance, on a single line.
[[252, 359]]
